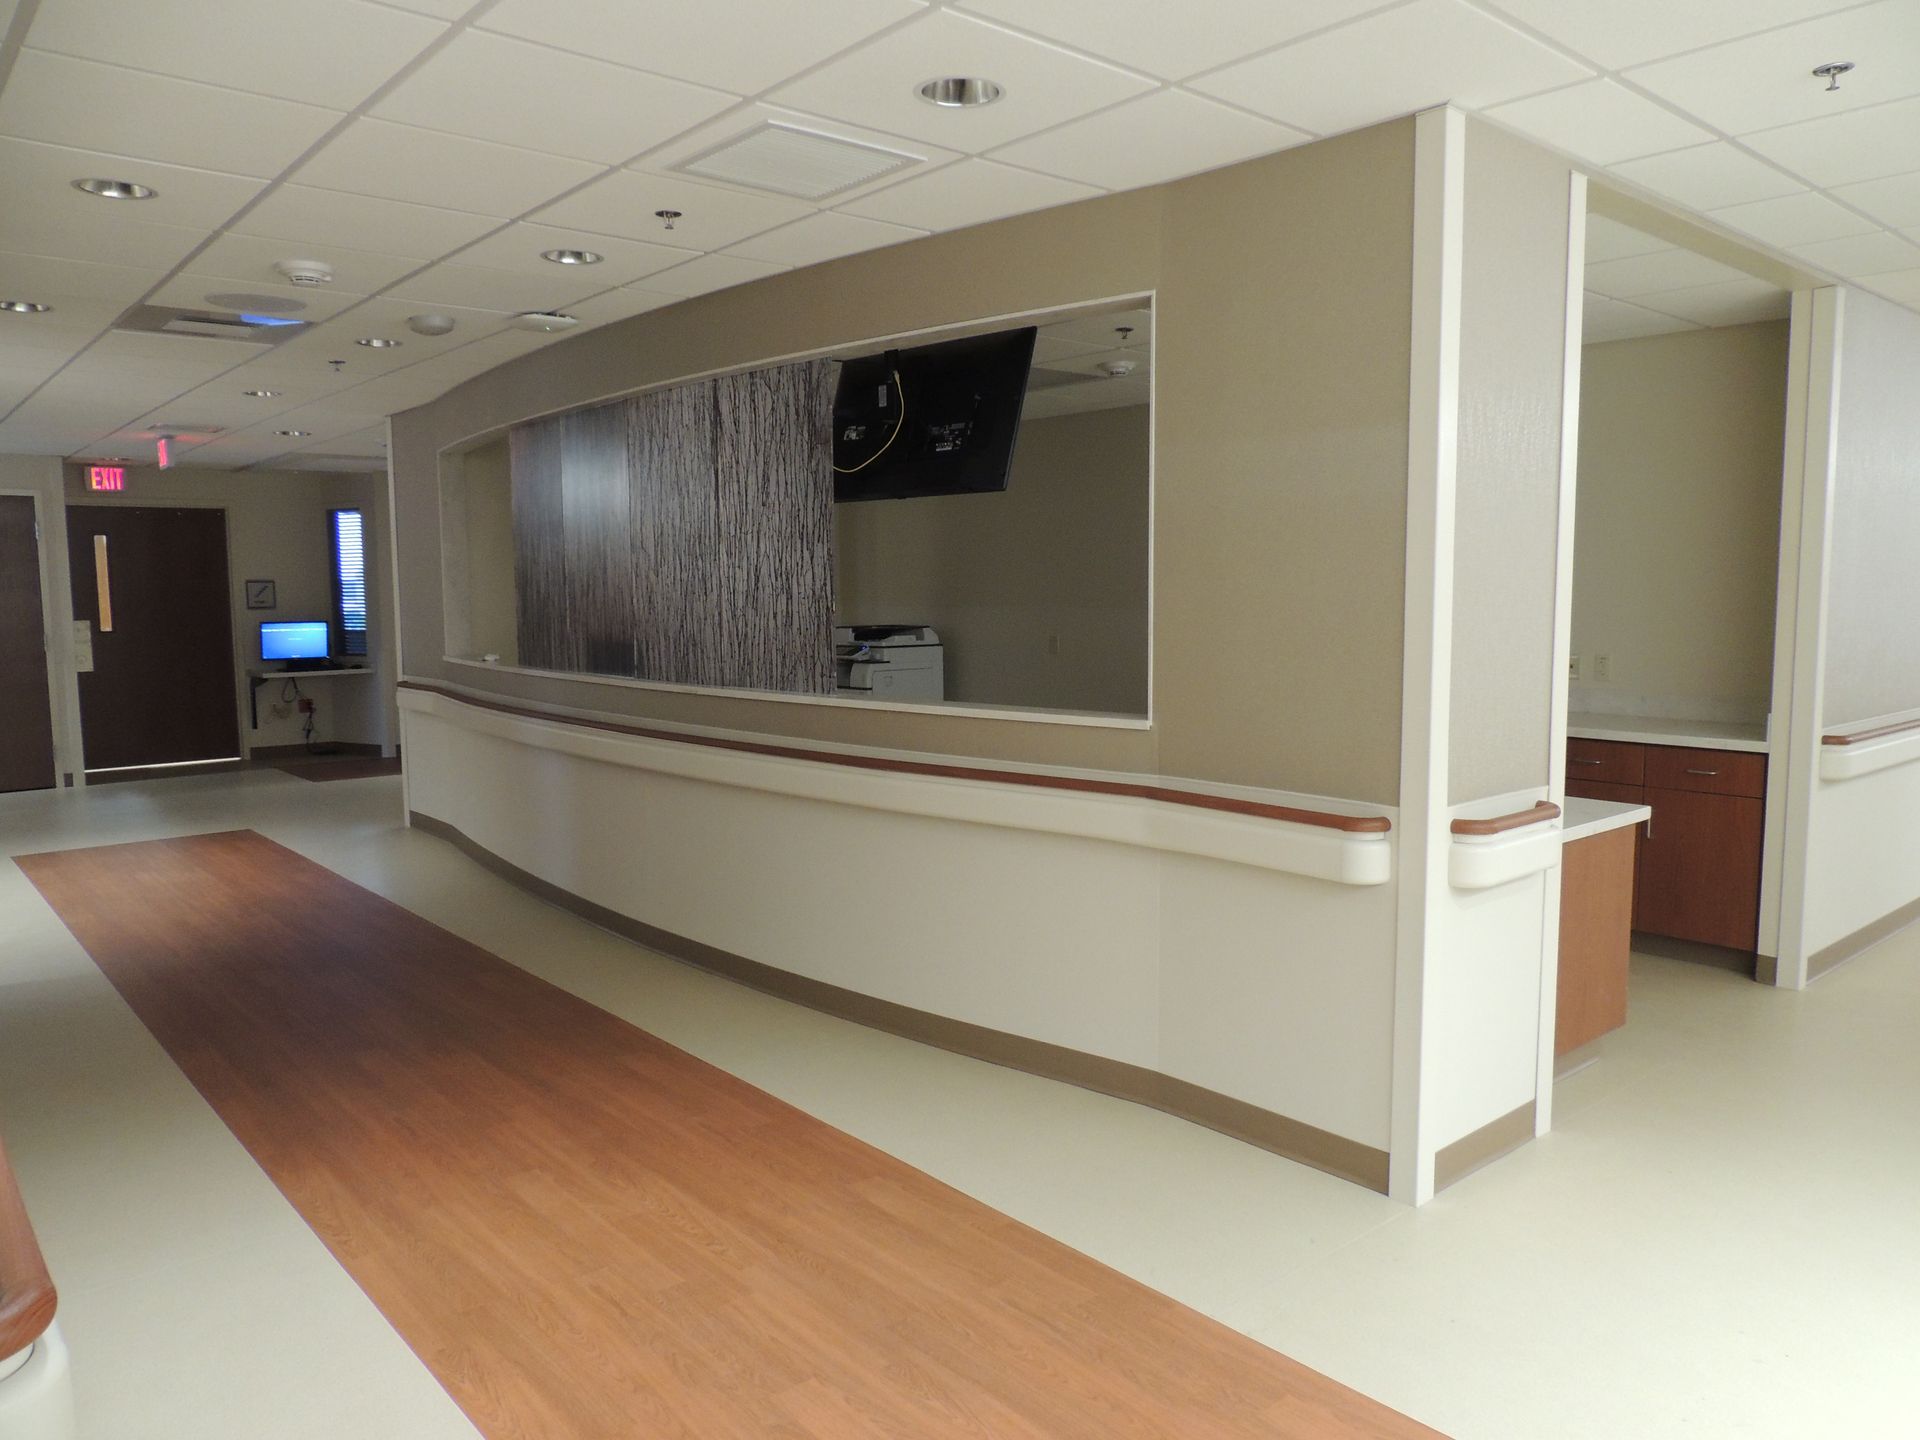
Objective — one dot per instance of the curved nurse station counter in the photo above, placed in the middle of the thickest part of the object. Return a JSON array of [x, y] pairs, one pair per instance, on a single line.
[[1220, 953], [36, 1391]]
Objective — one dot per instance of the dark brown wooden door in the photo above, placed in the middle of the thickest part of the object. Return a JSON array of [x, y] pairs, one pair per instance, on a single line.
[[161, 689], [26, 712], [1699, 870]]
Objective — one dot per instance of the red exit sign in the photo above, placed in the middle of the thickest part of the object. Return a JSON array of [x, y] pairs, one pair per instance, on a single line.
[[106, 477]]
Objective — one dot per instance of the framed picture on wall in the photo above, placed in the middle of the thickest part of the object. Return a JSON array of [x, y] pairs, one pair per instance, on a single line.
[[260, 595]]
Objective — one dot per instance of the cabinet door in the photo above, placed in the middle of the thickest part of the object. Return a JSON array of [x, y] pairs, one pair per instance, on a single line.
[[1699, 870]]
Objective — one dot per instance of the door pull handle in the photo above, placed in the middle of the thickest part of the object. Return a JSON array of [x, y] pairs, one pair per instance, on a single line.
[[1703, 772]]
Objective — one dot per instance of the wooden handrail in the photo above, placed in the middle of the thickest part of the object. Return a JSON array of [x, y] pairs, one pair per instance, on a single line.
[[1878, 733], [1500, 824], [1350, 824], [27, 1297]]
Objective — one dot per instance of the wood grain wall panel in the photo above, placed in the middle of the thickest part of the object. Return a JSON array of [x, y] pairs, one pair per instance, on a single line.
[[539, 544], [597, 530], [675, 535], [775, 507]]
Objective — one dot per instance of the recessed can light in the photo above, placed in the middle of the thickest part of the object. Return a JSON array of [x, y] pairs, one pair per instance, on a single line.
[[376, 343], [960, 92], [260, 394], [572, 257], [294, 434], [25, 307], [116, 189]]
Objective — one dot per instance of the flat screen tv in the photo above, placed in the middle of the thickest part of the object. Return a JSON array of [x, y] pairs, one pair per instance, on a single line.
[[932, 420], [294, 640]]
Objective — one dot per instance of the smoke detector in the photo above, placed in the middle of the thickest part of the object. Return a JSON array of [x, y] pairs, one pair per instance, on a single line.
[[548, 322], [1118, 369], [430, 324], [305, 272]]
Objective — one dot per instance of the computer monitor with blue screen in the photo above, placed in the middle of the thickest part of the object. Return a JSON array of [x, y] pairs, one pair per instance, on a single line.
[[294, 640]]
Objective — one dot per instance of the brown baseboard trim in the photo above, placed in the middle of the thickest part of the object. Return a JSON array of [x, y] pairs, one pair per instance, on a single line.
[[1766, 969], [1861, 940], [1292, 1139], [1483, 1146], [323, 750], [164, 772], [1695, 952]]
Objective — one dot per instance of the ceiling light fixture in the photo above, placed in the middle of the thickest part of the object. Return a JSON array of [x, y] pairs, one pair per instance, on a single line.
[[294, 434], [116, 189], [375, 342], [260, 394], [960, 92], [547, 322], [24, 307], [572, 257], [1832, 71]]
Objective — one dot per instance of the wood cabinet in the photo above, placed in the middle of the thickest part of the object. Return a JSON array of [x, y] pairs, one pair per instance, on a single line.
[[1698, 873], [1596, 907]]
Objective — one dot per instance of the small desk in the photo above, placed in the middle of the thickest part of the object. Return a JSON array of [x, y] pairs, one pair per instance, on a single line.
[[257, 678]]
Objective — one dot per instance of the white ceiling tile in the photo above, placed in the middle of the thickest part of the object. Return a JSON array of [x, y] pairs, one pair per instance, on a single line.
[[90, 106], [441, 9], [315, 218], [1610, 240], [1171, 40], [518, 248], [737, 123], [1873, 254], [1901, 286], [404, 162], [1101, 330], [969, 192], [621, 304], [1843, 149], [506, 291], [1599, 121], [1608, 319], [711, 217], [1641, 275], [878, 84], [1730, 302], [325, 52], [742, 45], [1619, 33], [1393, 64], [388, 315], [826, 236], [710, 273], [1793, 219], [57, 282], [494, 88], [1893, 200], [1140, 356], [117, 239], [1155, 138], [41, 177], [250, 259], [169, 350], [1051, 349], [191, 291], [1707, 177], [1766, 80]]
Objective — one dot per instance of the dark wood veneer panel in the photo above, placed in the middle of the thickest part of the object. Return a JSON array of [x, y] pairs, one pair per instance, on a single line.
[[539, 544]]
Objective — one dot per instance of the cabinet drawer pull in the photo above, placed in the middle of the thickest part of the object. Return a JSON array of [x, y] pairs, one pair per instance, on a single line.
[[1703, 772], [1589, 762]]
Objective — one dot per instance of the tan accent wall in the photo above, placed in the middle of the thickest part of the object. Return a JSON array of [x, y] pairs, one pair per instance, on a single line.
[[1282, 332], [1040, 592], [1873, 585], [479, 562], [1678, 528], [1507, 506]]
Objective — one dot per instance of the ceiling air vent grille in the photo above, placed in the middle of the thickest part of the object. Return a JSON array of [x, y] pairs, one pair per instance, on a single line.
[[790, 161], [209, 324]]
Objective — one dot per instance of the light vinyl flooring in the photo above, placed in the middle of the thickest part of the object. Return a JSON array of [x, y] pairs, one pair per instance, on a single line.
[[1719, 1239]]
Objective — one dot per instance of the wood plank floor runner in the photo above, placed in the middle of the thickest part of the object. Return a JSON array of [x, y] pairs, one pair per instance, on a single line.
[[586, 1233]]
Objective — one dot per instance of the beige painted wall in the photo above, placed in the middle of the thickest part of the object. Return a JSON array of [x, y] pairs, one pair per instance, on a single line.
[[1507, 503], [277, 530], [1039, 592], [479, 553], [1678, 524], [1282, 330], [1873, 584]]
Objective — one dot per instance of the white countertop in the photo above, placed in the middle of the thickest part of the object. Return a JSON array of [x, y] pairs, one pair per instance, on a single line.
[[1654, 730], [1580, 818]]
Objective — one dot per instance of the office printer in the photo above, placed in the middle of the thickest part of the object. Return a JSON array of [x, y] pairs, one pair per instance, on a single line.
[[889, 662]]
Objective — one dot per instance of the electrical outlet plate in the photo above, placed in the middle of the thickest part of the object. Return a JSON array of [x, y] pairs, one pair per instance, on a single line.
[[1573, 667], [1603, 668]]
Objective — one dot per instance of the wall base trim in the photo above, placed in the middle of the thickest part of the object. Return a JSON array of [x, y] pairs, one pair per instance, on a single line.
[[1482, 1146], [1862, 940], [323, 750], [1266, 1129]]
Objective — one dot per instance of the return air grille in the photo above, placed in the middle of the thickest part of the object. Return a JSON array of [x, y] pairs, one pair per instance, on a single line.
[[790, 161], [210, 324]]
